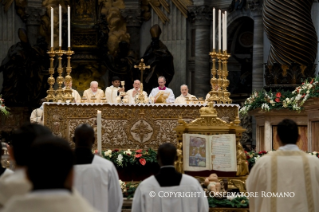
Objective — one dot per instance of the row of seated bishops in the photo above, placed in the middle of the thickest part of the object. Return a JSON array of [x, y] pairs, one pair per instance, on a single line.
[[113, 95], [49, 176]]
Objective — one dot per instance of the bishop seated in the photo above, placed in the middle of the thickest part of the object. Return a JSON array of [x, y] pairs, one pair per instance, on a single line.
[[93, 94], [75, 94], [112, 92], [133, 93], [184, 95], [162, 89]]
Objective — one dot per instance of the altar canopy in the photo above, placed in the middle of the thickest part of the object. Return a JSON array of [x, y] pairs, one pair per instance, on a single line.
[[126, 126]]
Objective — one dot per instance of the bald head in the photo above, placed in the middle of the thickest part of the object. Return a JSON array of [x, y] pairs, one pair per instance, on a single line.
[[166, 154], [94, 85], [84, 136], [184, 90]]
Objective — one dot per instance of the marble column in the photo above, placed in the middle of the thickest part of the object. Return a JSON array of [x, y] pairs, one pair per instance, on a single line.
[[132, 15], [200, 16], [258, 50], [34, 11]]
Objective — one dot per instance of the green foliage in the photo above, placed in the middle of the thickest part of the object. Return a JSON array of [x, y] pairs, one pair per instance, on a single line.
[[238, 202]]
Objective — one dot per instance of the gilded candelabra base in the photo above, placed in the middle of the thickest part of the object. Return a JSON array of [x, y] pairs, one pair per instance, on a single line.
[[51, 92], [67, 97]]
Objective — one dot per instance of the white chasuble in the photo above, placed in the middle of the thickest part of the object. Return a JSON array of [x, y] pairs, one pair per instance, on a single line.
[[284, 181], [150, 197], [111, 94]]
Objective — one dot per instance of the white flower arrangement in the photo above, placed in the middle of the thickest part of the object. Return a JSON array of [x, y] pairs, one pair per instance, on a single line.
[[108, 153], [119, 159], [123, 185], [128, 152]]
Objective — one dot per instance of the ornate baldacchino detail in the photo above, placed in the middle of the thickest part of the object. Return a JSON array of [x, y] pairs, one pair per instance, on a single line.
[[289, 27]]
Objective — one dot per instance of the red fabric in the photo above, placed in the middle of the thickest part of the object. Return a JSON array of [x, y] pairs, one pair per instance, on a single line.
[[159, 88]]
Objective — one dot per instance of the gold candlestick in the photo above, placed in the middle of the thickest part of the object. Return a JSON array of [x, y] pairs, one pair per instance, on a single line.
[[68, 79], [220, 78], [59, 92], [226, 95], [51, 92], [213, 81]]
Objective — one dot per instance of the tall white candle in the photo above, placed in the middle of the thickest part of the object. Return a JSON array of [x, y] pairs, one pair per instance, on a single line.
[[213, 28], [223, 17], [60, 25], [69, 27], [52, 26], [219, 31], [225, 30], [99, 132]]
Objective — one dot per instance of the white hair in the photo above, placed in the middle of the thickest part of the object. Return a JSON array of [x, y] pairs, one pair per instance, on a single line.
[[162, 77], [184, 85], [137, 80], [94, 82]]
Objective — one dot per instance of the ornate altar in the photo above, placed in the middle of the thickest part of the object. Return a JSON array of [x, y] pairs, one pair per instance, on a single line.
[[127, 126]]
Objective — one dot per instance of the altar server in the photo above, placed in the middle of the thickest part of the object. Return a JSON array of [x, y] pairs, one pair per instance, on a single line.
[[50, 170], [157, 193], [93, 91], [37, 114], [287, 171], [75, 94], [19, 151], [161, 87], [112, 92], [184, 94], [132, 93], [96, 178]]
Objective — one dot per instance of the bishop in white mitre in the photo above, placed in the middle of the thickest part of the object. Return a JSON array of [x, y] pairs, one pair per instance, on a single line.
[[132, 93], [184, 94], [287, 179], [168, 190], [75, 94], [96, 178], [161, 87], [111, 93], [93, 91]]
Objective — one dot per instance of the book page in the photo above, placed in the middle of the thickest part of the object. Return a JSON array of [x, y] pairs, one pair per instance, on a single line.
[[223, 152], [196, 152]]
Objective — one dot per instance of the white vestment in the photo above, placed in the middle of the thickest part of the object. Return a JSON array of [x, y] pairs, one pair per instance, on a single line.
[[49, 201], [182, 99], [99, 184], [6, 173], [131, 99], [89, 94], [75, 95], [37, 116], [111, 94], [286, 171], [171, 97], [13, 184], [143, 202]]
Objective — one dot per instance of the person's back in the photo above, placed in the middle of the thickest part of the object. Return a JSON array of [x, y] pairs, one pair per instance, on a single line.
[[169, 190], [287, 179], [96, 178], [22, 139], [50, 170]]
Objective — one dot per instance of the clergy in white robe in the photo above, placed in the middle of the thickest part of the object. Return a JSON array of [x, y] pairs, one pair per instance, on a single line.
[[22, 139], [161, 87], [52, 180], [289, 173], [112, 92], [93, 91], [96, 178], [75, 94], [132, 93], [184, 94], [169, 190], [49, 201], [37, 116]]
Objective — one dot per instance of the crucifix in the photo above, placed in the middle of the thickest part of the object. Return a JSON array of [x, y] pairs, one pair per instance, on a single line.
[[142, 67], [140, 98]]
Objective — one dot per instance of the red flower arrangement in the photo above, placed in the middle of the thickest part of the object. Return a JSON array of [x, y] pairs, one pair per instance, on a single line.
[[278, 94], [142, 161], [277, 100]]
